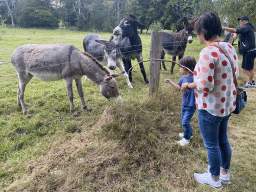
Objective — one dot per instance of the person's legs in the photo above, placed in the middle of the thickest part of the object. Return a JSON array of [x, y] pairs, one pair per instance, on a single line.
[[248, 66], [187, 116], [225, 148], [209, 128]]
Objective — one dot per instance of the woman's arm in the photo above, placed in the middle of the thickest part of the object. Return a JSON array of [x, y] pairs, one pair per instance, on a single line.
[[187, 86]]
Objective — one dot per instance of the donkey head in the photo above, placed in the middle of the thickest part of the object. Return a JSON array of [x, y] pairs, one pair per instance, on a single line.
[[108, 87], [112, 52], [128, 27], [189, 27]]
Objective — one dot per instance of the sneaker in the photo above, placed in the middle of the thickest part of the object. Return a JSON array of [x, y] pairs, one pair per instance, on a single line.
[[248, 85], [183, 142], [224, 178], [253, 84], [206, 179], [181, 135]]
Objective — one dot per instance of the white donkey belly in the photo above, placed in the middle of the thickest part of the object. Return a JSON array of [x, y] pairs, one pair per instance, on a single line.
[[46, 76]]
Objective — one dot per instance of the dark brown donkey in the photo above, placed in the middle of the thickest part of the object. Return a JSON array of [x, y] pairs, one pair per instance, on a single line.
[[175, 43]]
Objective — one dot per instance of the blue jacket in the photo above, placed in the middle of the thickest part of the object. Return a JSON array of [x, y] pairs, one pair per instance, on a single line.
[[188, 98], [246, 38]]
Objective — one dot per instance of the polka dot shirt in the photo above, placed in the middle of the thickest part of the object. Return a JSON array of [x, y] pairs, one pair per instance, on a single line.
[[216, 91]]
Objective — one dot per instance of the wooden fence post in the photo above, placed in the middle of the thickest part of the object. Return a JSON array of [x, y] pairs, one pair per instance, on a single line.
[[155, 53]]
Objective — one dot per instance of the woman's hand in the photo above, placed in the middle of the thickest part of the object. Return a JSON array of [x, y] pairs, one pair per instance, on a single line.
[[184, 87]]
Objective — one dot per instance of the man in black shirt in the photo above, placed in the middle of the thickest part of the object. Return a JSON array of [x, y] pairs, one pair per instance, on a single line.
[[246, 45]]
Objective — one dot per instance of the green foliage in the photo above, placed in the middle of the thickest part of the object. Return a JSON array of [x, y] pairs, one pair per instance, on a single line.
[[233, 9]]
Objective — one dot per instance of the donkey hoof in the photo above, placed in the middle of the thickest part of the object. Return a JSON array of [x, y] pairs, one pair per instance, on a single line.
[[28, 115], [87, 108], [75, 113]]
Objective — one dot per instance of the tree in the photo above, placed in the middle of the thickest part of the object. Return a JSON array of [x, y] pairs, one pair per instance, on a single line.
[[34, 13], [7, 7]]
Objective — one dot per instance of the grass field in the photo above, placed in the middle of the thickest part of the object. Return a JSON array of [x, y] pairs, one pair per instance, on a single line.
[[118, 146]]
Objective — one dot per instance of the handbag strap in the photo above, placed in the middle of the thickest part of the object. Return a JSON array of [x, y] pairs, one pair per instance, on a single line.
[[231, 62]]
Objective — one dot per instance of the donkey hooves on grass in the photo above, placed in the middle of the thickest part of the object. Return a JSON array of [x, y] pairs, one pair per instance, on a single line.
[[87, 108], [75, 114]]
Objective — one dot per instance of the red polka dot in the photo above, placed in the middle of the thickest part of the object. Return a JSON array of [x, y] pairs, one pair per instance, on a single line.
[[199, 69], [205, 94], [223, 88], [214, 54], [195, 73], [230, 46], [217, 106], [234, 92], [220, 51], [223, 99], [203, 82], [217, 94], [210, 78], [235, 69], [204, 69], [206, 57], [196, 95], [222, 111], [234, 103], [235, 57], [206, 90], [196, 105], [211, 65], [224, 63], [204, 105], [224, 75]]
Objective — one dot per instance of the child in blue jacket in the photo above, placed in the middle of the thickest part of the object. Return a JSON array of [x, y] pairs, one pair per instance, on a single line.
[[187, 65]]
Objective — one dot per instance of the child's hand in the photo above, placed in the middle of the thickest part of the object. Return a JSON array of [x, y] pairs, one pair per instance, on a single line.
[[167, 81]]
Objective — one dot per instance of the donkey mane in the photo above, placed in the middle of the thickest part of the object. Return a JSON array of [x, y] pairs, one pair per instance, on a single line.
[[96, 61]]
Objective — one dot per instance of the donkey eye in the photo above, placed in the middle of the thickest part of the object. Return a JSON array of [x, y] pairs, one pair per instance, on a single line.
[[126, 23]]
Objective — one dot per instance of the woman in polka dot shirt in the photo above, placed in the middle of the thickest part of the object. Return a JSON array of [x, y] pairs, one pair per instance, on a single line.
[[215, 94]]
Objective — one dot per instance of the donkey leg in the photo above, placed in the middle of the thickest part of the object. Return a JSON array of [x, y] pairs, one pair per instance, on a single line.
[[23, 81], [162, 57], [128, 69], [142, 69], [121, 67], [68, 82], [81, 93], [173, 63]]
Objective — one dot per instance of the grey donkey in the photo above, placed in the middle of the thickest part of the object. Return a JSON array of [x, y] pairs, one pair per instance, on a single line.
[[51, 62], [107, 52]]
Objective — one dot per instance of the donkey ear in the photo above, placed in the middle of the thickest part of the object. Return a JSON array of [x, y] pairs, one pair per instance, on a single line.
[[103, 42], [108, 78], [194, 21], [111, 38], [185, 22]]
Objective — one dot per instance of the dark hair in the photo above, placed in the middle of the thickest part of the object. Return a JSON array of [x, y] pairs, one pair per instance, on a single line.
[[188, 63], [208, 24]]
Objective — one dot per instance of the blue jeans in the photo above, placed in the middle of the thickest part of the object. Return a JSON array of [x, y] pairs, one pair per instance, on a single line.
[[214, 132], [186, 115]]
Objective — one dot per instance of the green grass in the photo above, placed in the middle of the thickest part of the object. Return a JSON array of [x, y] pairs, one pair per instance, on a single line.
[[118, 146]]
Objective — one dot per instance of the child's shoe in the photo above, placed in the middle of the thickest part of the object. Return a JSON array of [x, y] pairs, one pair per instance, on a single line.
[[181, 135], [183, 142]]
